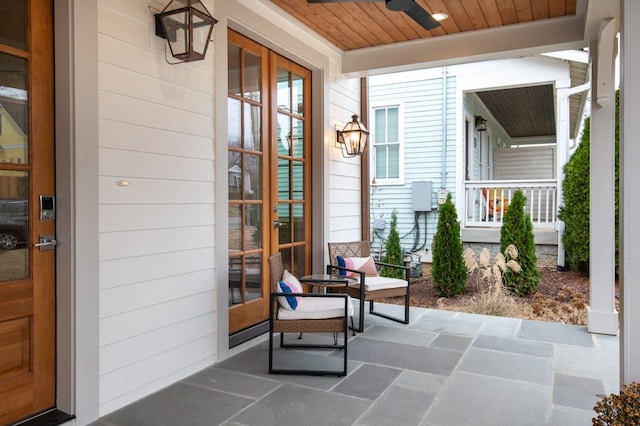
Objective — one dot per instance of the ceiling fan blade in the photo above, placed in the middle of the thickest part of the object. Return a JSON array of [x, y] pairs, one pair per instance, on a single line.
[[422, 17]]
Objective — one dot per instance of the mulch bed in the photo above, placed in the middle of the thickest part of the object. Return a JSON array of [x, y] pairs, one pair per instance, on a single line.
[[562, 296]]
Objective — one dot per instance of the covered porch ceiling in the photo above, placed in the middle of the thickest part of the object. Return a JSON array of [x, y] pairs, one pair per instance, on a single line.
[[375, 40]]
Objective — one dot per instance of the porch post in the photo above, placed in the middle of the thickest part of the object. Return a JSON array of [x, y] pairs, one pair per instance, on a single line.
[[562, 147], [602, 316], [629, 194]]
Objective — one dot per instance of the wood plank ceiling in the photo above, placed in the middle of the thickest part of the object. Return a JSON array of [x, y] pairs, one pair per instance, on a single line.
[[355, 25]]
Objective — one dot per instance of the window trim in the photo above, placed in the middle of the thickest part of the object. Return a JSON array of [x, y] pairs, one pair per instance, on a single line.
[[400, 180]]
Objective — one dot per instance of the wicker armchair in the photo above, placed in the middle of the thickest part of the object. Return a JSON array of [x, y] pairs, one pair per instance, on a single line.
[[369, 288], [322, 307]]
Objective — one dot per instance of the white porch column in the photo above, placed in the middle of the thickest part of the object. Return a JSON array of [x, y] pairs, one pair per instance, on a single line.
[[562, 147], [630, 194], [602, 316]]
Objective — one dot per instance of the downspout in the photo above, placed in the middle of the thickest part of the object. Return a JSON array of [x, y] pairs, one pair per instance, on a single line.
[[443, 171]]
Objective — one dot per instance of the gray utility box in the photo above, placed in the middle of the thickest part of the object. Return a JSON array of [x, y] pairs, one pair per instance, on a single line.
[[421, 195]]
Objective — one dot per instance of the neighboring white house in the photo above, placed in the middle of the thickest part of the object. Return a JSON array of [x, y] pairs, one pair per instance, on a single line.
[[478, 131]]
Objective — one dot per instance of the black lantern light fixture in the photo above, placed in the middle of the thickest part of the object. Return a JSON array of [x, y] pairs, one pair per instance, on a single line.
[[187, 25], [352, 138], [481, 124]]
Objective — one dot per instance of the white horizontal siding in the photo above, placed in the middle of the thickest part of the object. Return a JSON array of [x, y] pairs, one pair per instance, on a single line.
[[132, 270], [525, 163], [156, 220], [136, 380], [133, 323], [127, 298], [147, 345], [343, 186], [128, 217], [130, 137], [424, 135], [119, 245]]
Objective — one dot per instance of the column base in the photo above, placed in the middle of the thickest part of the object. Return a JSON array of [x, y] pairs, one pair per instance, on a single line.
[[601, 322]]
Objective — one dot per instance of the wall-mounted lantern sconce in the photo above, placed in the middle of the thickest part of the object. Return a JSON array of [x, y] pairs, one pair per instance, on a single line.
[[481, 124], [187, 25], [353, 138]]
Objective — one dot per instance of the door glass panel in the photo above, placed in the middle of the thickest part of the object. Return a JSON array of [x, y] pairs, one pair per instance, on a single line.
[[297, 95], [284, 231], [252, 127], [235, 280], [298, 138], [299, 260], [233, 79], [251, 76], [235, 175], [253, 271], [297, 181], [253, 227], [13, 110], [235, 228], [234, 107], [14, 225], [285, 138], [283, 179], [298, 223], [252, 177], [13, 31], [283, 92]]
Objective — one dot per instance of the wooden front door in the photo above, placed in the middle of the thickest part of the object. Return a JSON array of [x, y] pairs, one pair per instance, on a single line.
[[269, 174], [27, 275]]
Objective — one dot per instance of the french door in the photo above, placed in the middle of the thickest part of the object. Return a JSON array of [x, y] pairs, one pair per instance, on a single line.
[[27, 209], [269, 174]]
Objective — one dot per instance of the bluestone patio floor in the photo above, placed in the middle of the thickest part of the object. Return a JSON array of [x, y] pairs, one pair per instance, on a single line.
[[444, 368]]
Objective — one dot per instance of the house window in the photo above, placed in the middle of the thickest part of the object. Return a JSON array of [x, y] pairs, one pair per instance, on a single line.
[[387, 144]]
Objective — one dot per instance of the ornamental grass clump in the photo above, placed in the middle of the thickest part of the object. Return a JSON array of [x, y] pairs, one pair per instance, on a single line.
[[619, 410], [493, 299]]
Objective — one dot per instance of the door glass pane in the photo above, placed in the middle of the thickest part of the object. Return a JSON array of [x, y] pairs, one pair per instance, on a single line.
[[253, 177], [235, 228], [297, 140], [283, 179], [297, 95], [235, 280], [233, 79], [14, 122], [285, 138], [251, 76], [284, 231], [297, 180], [298, 223], [14, 225], [253, 227], [252, 125], [235, 175], [283, 94], [234, 107], [299, 260], [13, 31], [253, 270]]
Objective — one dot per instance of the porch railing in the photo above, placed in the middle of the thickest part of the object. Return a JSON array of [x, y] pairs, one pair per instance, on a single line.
[[487, 201]]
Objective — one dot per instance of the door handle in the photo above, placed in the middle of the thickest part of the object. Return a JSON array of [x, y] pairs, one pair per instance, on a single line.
[[47, 242]]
